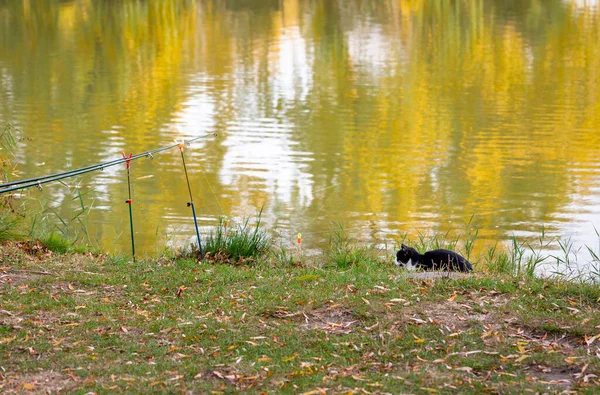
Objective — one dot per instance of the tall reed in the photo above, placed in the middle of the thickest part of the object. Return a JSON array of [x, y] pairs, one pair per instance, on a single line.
[[62, 234], [11, 216]]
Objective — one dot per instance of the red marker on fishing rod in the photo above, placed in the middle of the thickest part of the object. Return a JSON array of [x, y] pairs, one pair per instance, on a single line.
[[128, 201], [191, 202]]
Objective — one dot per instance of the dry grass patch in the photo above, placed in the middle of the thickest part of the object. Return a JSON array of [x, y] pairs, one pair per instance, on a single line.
[[16, 277], [333, 319], [42, 382], [227, 377]]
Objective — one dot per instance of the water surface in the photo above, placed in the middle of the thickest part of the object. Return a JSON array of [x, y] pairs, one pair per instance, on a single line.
[[390, 117]]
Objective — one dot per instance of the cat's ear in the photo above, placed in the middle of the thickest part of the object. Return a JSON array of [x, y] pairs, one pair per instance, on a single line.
[[403, 247]]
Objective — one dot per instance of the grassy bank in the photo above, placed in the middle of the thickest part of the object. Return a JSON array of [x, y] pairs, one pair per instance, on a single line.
[[94, 323]]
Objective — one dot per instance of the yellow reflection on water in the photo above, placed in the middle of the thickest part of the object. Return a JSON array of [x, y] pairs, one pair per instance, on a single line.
[[392, 117]]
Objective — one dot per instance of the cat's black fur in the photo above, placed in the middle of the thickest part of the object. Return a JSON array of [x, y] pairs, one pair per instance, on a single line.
[[432, 260]]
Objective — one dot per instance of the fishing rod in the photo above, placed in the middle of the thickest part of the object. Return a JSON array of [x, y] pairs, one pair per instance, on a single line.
[[129, 201], [191, 202], [69, 172], [38, 181]]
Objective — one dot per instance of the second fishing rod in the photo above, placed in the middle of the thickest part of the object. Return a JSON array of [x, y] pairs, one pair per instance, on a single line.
[[191, 202]]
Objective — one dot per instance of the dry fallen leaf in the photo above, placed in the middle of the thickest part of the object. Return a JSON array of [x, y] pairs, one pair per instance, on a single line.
[[571, 360], [290, 358], [592, 339], [467, 369], [521, 358], [418, 320], [522, 349]]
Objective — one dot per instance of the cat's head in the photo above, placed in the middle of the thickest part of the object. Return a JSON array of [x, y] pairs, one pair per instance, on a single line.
[[404, 255]]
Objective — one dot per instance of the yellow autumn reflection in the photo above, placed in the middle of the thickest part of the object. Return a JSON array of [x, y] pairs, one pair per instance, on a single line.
[[391, 116]]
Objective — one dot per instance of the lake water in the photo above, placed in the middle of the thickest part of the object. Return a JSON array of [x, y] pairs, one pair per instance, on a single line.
[[390, 117]]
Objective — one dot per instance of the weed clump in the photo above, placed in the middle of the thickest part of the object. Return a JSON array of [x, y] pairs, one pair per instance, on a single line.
[[344, 251], [240, 245]]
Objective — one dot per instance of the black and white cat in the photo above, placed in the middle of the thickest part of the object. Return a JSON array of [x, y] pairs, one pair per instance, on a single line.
[[432, 260]]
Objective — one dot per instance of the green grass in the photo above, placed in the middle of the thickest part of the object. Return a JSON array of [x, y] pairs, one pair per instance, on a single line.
[[344, 251], [55, 242], [85, 323]]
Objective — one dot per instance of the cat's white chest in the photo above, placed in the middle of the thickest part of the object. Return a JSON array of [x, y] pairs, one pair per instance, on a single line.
[[408, 265]]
